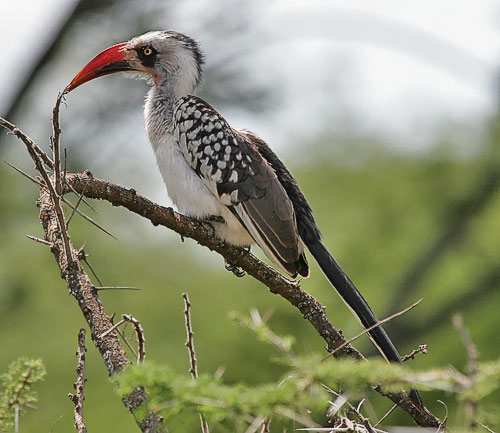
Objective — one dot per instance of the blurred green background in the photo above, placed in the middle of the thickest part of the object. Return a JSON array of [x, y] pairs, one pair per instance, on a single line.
[[409, 213]]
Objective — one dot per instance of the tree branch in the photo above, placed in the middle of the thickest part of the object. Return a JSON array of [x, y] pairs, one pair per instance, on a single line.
[[201, 232], [81, 287], [79, 385]]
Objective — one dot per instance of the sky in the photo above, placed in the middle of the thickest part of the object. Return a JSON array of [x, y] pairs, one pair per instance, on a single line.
[[395, 68]]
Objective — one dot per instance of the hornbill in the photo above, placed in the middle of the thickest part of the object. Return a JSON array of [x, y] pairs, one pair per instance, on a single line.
[[228, 176]]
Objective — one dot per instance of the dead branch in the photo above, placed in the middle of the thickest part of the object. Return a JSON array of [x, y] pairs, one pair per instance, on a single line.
[[79, 385]]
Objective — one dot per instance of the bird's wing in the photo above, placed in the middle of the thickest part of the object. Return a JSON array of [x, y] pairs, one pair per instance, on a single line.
[[236, 173]]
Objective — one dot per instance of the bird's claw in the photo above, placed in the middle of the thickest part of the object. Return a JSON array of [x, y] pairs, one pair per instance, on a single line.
[[231, 267], [214, 219]]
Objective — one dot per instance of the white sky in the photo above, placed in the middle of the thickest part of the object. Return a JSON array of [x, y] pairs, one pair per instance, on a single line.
[[398, 66]]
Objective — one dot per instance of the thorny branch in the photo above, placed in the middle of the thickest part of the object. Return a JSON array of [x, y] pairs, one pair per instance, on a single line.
[[310, 308], [82, 288], [79, 397], [193, 369], [79, 283]]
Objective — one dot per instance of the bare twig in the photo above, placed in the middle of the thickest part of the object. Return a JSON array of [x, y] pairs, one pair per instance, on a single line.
[[79, 385], [365, 331], [76, 205], [34, 152], [117, 288], [193, 369], [486, 428], [27, 141], [141, 339], [111, 329], [84, 257], [381, 420], [125, 340], [54, 144], [420, 349], [86, 217], [41, 241], [25, 174]]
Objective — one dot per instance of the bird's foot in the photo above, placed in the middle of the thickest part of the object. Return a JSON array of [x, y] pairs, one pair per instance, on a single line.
[[214, 219], [230, 266]]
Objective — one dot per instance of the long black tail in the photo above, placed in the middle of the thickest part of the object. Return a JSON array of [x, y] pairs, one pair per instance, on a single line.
[[354, 299]]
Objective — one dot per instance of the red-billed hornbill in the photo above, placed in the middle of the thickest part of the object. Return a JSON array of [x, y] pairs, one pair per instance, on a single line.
[[216, 173]]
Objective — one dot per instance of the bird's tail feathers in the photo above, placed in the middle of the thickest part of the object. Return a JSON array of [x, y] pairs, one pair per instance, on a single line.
[[357, 303]]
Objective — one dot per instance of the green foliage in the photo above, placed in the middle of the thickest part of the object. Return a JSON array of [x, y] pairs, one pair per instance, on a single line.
[[16, 389], [305, 388], [179, 396]]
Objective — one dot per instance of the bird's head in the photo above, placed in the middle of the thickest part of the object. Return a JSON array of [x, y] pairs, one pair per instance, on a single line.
[[164, 58]]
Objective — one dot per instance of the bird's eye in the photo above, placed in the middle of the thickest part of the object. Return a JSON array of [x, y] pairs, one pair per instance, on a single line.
[[147, 51]]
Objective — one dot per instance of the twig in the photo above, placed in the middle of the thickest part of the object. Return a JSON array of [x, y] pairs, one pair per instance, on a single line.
[[193, 369], [116, 288], [141, 339], [25, 174], [111, 329], [380, 322], [41, 241], [54, 141], [76, 206], [79, 397], [486, 428], [420, 349], [27, 141], [381, 420], [84, 257], [65, 163], [86, 217], [32, 147], [442, 424], [125, 340]]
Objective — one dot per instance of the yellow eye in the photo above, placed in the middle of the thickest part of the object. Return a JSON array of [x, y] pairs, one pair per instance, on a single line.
[[147, 51]]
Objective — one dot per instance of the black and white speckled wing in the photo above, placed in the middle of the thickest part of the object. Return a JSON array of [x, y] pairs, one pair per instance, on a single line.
[[237, 174]]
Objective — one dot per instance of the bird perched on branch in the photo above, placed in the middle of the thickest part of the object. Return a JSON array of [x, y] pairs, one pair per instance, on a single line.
[[227, 176]]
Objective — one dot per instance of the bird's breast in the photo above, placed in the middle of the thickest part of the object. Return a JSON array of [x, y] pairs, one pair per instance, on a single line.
[[190, 194]]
